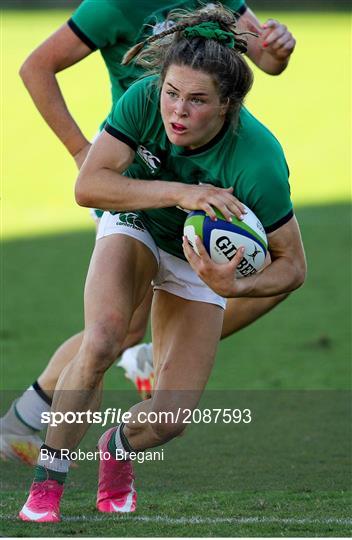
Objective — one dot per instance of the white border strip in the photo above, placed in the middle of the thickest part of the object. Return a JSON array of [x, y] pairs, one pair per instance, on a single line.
[[195, 520]]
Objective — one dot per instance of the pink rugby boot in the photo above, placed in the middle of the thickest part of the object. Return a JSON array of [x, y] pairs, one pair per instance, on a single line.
[[43, 503], [116, 491]]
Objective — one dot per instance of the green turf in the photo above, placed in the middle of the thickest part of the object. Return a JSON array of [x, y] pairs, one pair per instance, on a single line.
[[290, 471], [279, 506], [292, 366]]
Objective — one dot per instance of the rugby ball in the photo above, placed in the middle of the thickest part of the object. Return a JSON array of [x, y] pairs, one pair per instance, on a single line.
[[222, 238]]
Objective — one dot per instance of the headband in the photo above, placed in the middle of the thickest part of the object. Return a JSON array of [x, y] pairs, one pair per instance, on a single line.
[[210, 30]]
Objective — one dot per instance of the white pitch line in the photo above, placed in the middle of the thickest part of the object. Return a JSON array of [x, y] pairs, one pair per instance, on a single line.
[[196, 520]]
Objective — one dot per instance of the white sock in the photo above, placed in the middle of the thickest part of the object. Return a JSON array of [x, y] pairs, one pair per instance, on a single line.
[[12, 425], [121, 448], [118, 442], [30, 406], [54, 464]]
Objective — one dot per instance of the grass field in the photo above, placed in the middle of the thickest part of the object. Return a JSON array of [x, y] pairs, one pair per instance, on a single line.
[[289, 472]]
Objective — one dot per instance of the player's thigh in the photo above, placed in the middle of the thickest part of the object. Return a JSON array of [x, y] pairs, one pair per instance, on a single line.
[[119, 276], [140, 316], [185, 338]]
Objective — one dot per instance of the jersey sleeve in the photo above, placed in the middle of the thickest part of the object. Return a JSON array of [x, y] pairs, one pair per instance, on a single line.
[[239, 6], [98, 24], [269, 195], [127, 118]]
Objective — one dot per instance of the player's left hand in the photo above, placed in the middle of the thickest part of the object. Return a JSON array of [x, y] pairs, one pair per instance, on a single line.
[[277, 40], [221, 278]]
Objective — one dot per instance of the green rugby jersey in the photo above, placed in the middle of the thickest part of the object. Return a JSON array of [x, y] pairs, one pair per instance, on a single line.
[[113, 26], [249, 159]]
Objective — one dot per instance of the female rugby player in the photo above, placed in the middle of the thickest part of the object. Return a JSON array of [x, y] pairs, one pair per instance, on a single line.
[[167, 134]]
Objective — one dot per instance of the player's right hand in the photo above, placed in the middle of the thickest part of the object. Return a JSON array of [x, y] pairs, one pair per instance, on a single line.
[[207, 197], [221, 278]]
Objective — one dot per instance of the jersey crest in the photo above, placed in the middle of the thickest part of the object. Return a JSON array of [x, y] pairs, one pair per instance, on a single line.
[[153, 162]]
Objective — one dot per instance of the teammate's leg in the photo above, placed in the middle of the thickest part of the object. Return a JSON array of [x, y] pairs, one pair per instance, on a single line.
[[21, 424], [241, 312], [61, 357]]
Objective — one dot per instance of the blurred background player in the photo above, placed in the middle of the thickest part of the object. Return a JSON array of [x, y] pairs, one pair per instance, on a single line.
[[112, 27]]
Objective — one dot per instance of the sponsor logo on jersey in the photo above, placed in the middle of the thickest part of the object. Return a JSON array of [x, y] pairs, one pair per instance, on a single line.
[[128, 219], [153, 162]]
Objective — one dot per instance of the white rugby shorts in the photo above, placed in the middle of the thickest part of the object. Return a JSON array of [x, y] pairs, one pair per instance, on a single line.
[[174, 275]]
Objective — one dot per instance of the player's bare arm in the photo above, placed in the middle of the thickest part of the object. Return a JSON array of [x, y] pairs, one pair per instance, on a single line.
[[286, 272], [270, 52], [101, 184], [60, 51]]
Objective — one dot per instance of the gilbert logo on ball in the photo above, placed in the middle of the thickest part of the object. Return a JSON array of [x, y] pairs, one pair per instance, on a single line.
[[222, 239]]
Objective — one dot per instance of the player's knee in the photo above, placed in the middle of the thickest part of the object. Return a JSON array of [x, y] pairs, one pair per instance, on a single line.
[[102, 342]]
